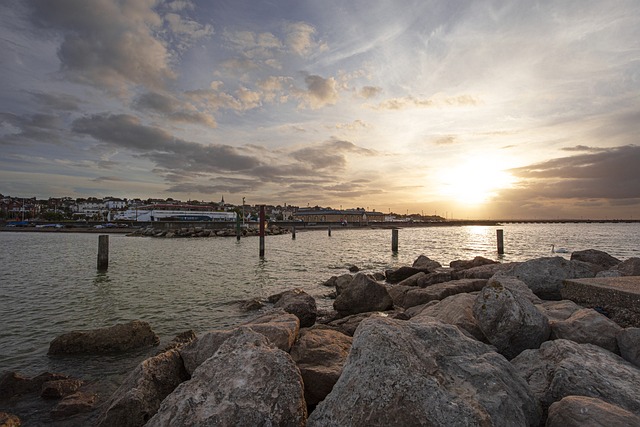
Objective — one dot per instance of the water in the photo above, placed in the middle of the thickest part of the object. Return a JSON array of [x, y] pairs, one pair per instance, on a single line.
[[49, 284]]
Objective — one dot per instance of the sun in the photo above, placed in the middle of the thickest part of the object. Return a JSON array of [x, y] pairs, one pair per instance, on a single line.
[[473, 182]]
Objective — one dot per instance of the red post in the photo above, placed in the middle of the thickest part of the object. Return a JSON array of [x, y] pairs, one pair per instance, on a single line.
[[262, 221]]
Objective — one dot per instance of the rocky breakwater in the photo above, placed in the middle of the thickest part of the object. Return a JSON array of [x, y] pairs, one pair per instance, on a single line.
[[153, 231], [474, 343]]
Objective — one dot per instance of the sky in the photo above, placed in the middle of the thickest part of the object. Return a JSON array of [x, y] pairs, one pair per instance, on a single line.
[[460, 108]]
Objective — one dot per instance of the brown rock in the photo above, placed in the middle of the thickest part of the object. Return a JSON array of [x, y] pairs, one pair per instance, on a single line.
[[73, 404], [587, 326], [581, 411], [58, 389], [9, 420]]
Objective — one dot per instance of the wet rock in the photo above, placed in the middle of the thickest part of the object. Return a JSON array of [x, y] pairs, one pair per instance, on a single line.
[[280, 328], [425, 263], [363, 294], [403, 373], [253, 304], [57, 389], [509, 321], [117, 338], [399, 274], [587, 326], [320, 354], [342, 282], [454, 310], [545, 275], [74, 404], [466, 264], [246, 382], [180, 340], [13, 384], [354, 269], [140, 395], [298, 303], [629, 343], [629, 267], [602, 259], [580, 411], [563, 368]]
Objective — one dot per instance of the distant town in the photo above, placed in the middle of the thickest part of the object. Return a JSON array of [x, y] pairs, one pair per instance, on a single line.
[[113, 209]]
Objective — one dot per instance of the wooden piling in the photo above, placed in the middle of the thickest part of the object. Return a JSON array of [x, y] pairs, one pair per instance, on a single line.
[[103, 252], [238, 231], [394, 240], [293, 232], [262, 221], [329, 231], [500, 236]]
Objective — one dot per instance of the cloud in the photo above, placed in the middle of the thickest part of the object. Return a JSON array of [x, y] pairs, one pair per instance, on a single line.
[[369, 92], [410, 101], [26, 129], [172, 109], [300, 39], [330, 154], [320, 92], [445, 140], [52, 101]]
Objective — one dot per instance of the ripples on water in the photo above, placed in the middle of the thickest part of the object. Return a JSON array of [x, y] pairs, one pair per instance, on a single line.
[[49, 284]]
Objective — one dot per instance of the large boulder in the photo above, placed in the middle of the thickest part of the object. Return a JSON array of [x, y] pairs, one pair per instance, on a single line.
[[629, 344], [455, 310], [412, 280], [14, 384], [361, 295], [279, 327], [508, 320], [485, 271], [593, 256], [348, 325], [401, 273], [117, 338], [587, 326], [466, 264], [140, 395], [558, 310], [629, 267], [74, 404], [563, 368], [434, 278], [425, 263], [298, 302], [402, 373], [247, 381], [545, 275], [580, 411], [320, 354], [409, 296]]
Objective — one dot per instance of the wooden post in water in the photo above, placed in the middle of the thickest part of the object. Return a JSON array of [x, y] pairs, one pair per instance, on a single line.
[[103, 252], [293, 232], [262, 220], [500, 242], [238, 232], [394, 240], [329, 231]]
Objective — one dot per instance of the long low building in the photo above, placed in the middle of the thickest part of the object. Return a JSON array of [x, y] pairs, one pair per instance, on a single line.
[[173, 213], [347, 216]]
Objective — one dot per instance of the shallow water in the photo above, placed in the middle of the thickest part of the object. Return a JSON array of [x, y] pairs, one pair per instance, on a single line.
[[49, 284]]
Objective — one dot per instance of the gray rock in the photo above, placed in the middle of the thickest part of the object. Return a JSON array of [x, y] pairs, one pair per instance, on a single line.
[[348, 325], [629, 267], [399, 274], [629, 343], [413, 296], [412, 280], [73, 404], [509, 321], [558, 310], [593, 256], [140, 395], [117, 338], [581, 411], [425, 263], [363, 294], [280, 328], [247, 382], [401, 373], [608, 273], [299, 303], [342, 282], [481, 272], [587, 326], [454, 310], [466, 264], [320, 354], [434, 278], [545, 275], [563, 368], [517, 287]]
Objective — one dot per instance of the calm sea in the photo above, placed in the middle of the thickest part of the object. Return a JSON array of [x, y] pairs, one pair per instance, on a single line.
[[49, 284]]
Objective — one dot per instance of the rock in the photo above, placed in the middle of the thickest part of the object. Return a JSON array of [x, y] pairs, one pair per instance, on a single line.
[[348, 325], [629, 343], [300, 304], [602, 259], [558, 310], [180, 340], [361, 295], [251, 305], [563, 368], [580, 411], [57, 389], [412, 280], [279, 327], [399, 274], [246, 382], [410, 297], [485, 271], [9, 420], [13, 384], [320, 354], [140, 395], [434, 278], [466, 264], [425, 263], [402, 373], [545, 275], [509, 321], [354, 269], [587, 326], [517, 287], [117, 338], [342, 282], [73, 404], [330, 282], [455, 310], [608, 273], [629, 267]]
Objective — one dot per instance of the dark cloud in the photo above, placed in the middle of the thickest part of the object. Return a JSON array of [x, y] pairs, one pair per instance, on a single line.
[[34, 128], [370, 92], [172, 109], [583, 148], [320, 91], [330, 154], [52, 101]]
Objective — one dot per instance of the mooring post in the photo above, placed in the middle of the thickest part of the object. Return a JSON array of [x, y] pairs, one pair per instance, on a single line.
[[238, 226], [500, 236], [329, 231], [103, 252], [262, 220], [293, 232], [394, 240]]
